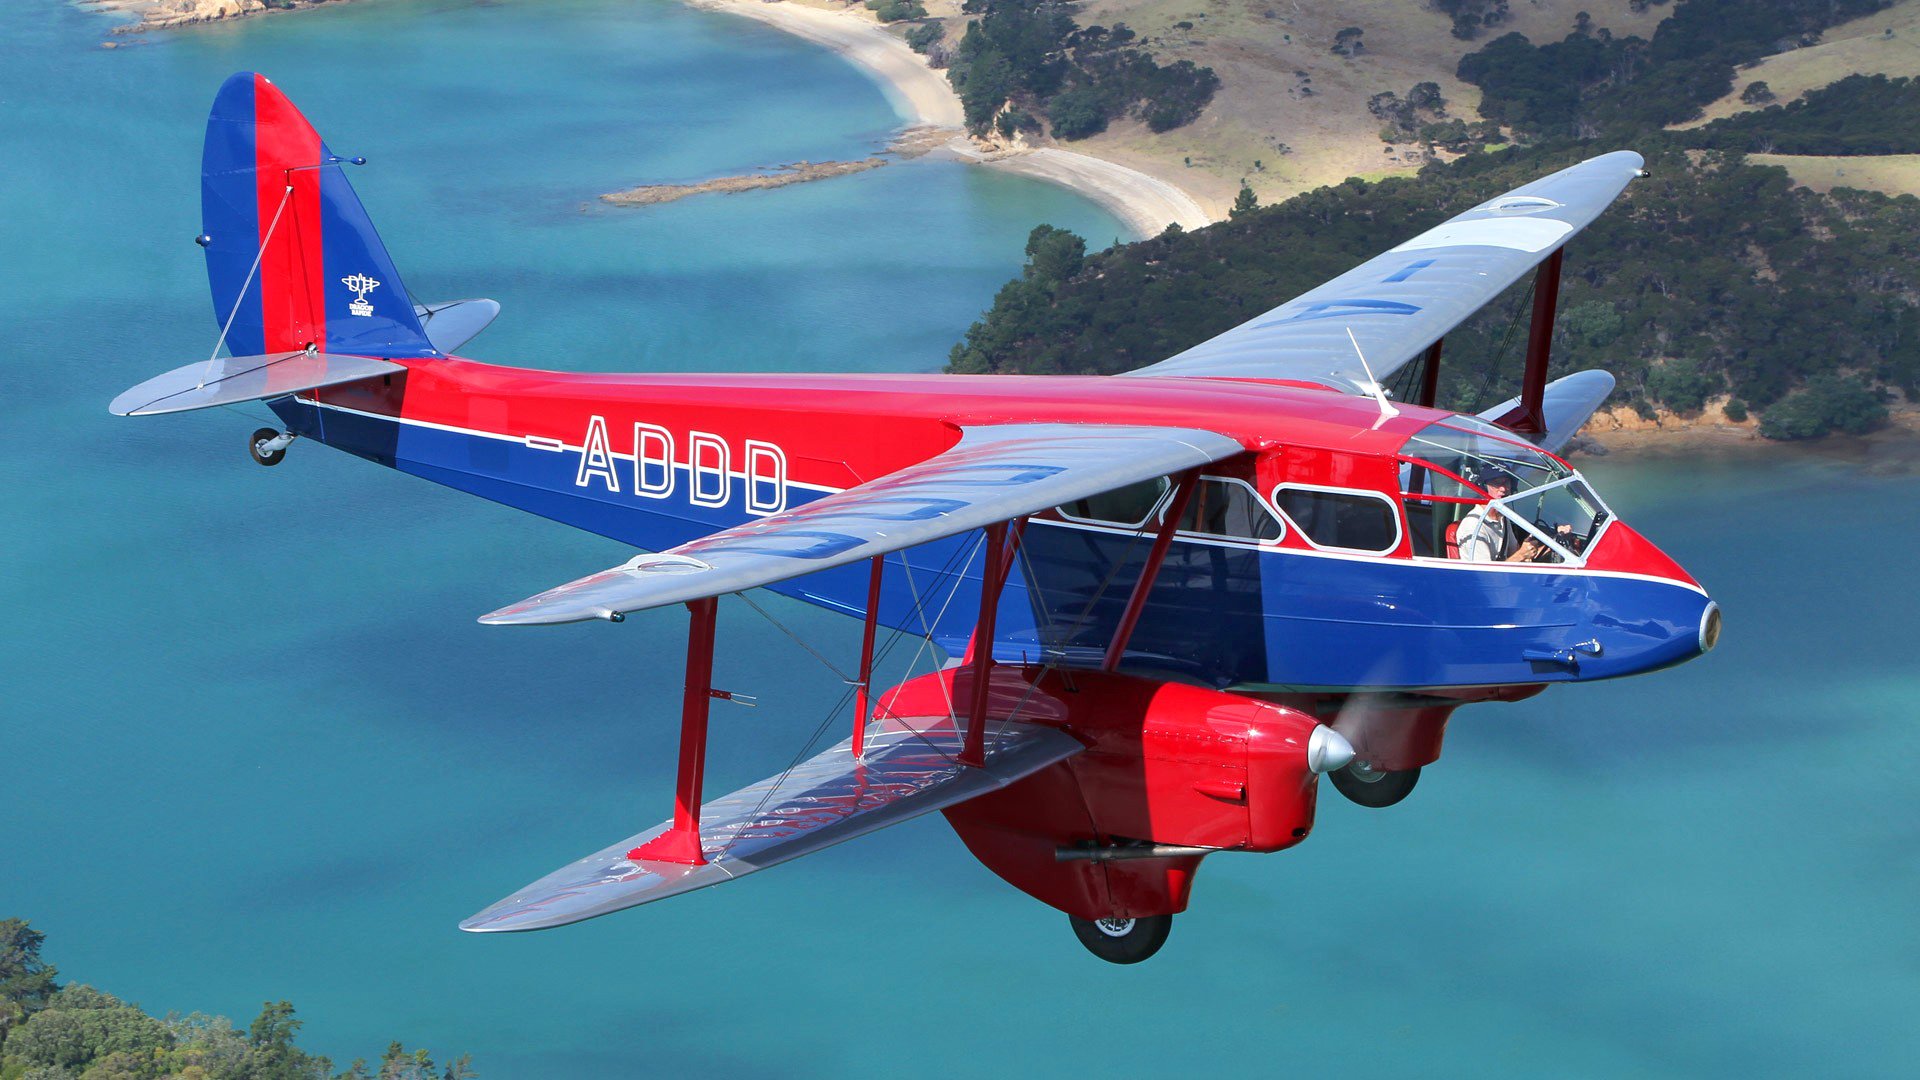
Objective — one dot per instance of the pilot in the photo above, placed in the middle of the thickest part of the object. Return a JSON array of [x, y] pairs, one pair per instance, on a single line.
[[1485, 536]]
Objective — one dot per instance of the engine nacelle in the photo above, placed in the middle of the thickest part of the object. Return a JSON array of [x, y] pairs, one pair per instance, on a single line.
[[1166, 764]]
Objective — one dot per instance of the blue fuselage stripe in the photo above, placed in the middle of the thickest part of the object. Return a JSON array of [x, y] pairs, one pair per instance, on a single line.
[[1222, 613]]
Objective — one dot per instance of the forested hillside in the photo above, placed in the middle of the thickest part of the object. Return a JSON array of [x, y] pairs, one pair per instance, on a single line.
[[74, 1032], [1025, 61], [1711, 279]]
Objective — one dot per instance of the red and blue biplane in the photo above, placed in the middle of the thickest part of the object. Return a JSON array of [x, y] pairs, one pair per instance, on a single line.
[[1177, 597]]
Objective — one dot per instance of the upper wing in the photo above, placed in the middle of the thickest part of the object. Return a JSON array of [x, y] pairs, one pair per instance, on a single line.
[[1399, 303], [993, 474]]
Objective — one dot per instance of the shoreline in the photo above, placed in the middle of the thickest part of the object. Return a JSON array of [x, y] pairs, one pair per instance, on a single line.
[[921, 95], [1893, 449], [150, 15], [918, 93]]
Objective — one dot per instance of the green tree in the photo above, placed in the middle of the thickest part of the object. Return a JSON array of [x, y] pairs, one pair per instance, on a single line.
[[1054, 255], [1827, 403], [81, 1025], [1244, 203], [1593, 322], [897, 10], [1682, 385], [924, 37], [26, 981], [1078, 113]]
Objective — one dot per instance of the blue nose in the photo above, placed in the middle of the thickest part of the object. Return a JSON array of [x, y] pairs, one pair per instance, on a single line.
[[1640, 626]]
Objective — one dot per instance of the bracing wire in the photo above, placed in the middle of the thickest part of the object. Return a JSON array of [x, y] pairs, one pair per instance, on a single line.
[[245, 285], [881, 653]]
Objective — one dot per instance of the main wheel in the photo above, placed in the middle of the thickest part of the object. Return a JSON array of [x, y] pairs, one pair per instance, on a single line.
[[265, 434], [1122, 941], [1368, 786]]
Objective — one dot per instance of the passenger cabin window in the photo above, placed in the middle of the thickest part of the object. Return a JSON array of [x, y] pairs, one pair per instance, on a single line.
[[1350, 520], [1129, 506], [1230, 509]]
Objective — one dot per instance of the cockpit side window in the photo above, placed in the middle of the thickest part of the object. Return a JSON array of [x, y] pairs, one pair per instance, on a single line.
[[1229, 509], [1361, 521], [1475, 450], [1128, 507]]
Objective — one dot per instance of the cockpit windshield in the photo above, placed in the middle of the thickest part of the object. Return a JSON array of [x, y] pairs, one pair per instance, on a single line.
[[1541, 510], [1476, 451], [1568, 516]]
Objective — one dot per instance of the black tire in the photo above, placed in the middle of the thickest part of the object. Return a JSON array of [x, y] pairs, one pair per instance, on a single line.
[[253, 448], [1368, 787], [1135, 940]]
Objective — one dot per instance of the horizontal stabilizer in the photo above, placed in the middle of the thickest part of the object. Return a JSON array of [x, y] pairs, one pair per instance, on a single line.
[[234, 379], [1567, 404], [994, 474], [909, 769], [453, 323]]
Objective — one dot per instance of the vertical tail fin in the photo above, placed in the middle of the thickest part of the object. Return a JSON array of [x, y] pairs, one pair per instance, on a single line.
[[292, 257]]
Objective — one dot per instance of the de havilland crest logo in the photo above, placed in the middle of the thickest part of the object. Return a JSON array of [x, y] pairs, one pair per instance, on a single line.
[[360, 285]]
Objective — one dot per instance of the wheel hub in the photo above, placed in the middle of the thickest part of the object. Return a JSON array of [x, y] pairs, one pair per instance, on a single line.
[[1114, 927]]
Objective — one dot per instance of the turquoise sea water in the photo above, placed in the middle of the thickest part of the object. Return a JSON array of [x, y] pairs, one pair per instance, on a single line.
[[253, 746]]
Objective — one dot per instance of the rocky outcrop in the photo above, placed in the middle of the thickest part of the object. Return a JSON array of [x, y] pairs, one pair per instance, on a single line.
[[162, 14], [797, 173]]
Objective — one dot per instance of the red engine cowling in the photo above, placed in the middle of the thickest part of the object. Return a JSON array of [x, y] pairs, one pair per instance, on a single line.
[[1165, 764]]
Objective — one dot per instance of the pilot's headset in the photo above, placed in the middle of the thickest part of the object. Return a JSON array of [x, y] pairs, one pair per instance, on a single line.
[[1492, 475]]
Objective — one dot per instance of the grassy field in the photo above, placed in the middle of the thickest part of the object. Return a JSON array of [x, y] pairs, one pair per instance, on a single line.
[[1270, 53], [1895, 174], [1887, 43]]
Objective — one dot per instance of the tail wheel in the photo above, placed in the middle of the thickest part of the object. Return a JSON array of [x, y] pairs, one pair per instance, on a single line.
[[265, 435], [1368, 786], [1122, 941]]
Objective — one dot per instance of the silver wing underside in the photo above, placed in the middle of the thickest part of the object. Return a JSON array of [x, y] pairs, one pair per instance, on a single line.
[[909, 769], [993, 474], [1399, 303], [233, 379], [452, 323], [1566, 404]]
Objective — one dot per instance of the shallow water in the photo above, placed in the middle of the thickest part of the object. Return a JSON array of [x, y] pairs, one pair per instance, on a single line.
[[254, 746]]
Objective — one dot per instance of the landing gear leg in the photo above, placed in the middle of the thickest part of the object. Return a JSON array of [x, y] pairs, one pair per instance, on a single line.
[[268, 447], [1122, 941], [1368, 786]]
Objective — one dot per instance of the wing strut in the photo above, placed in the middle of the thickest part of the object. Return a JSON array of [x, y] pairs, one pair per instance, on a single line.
[[1430, 374], [1530, 417], [1137, 602], [681, 843], [1001, 545], [864, 686]]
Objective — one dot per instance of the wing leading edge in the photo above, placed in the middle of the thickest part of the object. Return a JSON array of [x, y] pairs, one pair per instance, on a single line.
[[993, 474], [1399, 303]]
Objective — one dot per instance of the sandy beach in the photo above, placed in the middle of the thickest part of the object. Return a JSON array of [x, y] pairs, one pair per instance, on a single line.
[[1146, 203], [921, 95], [918, 93]]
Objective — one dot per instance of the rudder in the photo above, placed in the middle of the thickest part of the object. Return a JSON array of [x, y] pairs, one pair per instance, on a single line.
[[271, 190]]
